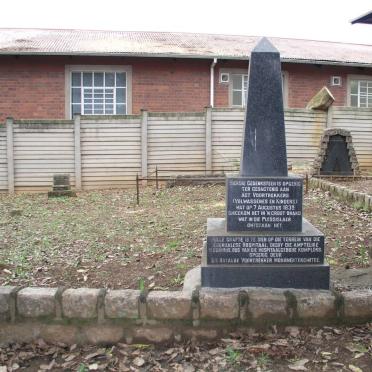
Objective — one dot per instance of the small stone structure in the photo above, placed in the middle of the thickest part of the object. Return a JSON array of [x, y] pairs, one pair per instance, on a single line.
[[61, 186], [324, 152], [100, 316], [322, 100]]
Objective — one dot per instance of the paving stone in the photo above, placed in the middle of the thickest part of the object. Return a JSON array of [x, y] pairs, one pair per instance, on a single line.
[[5, 294], [367, 199], [36, 302], [80, 303], [313, 304], [122, 303], [358, 304], [219, 304], [169, 305], [201, 334], [109, 335], [267, 304], [156, 335], [67, 334]]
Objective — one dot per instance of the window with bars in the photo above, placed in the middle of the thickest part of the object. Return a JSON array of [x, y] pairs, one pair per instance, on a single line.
[[239, 84], [98, 93], [361, 93]]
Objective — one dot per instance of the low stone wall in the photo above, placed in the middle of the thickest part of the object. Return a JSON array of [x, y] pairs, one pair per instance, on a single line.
[[352, 197], [97, 316]]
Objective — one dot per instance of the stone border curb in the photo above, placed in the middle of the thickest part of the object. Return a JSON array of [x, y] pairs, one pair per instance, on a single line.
[[87, 315], [342, 193]]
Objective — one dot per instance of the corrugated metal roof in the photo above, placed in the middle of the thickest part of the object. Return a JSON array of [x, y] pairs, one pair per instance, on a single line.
[[167, 44]]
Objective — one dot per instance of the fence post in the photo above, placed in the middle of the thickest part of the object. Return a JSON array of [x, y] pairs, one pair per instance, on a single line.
[[77, 143], [10, 154], [156, 178], [208, 140], [144, 121], [137, 188]]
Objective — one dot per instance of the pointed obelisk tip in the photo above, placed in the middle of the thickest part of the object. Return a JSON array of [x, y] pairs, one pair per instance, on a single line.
[[264, 46]]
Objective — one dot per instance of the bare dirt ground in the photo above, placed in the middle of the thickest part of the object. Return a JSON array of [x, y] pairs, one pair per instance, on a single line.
[[102, 239], [357, 185], [276, 349]]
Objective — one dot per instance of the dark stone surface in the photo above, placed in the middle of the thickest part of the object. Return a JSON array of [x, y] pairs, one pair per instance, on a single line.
[[275, 276], [304, 276], [336, 161], [264, 149], [227, 248], [62, 193], [61, 186], [61, 180], [264, 203]]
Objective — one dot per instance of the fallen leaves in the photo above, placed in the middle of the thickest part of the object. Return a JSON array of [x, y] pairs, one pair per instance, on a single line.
[[298, 365], [138, 362], [293, 331], [248, 349], [354, 368]]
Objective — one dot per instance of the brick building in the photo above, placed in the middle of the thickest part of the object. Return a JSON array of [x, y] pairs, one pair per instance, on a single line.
[[55, 73]]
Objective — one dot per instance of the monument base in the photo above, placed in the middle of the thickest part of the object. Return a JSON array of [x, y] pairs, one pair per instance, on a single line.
[[275, 276], [226, 261]]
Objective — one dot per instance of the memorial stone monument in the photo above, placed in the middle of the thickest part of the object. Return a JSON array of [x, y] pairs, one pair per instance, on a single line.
[[264, 241], [336, 160]]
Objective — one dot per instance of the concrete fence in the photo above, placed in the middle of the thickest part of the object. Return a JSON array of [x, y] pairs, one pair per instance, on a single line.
[[108, 151]]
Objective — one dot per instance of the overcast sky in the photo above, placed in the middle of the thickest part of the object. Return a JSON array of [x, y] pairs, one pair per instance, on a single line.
[[315, 19]]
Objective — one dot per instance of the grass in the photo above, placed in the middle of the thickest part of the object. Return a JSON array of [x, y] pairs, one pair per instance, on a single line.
[[232, 355], [263, 360], [363, 256], [105, 229], [103, 239]]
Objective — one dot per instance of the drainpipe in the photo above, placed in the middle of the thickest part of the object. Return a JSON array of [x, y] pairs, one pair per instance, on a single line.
[[212, 81]]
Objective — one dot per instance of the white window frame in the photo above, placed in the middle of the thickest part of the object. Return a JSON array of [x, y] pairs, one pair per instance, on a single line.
[[334, 81], [238, 71], [226, 74], [241, 89], [350, 78], [69, 69]]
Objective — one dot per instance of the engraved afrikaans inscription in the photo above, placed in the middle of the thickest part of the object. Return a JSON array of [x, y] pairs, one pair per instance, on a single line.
[[264, 204], [242, 250]]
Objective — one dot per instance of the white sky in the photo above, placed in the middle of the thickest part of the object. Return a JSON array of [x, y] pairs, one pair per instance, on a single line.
[[311, 19]]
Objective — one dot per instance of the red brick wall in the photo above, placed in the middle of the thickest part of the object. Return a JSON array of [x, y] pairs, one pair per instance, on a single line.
[[34, 87], [306, 80], [221, 98], [31, 88], [170, 85]]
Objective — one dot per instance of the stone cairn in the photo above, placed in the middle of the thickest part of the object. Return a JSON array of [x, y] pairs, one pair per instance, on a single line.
[[264, 241], [324, 142]]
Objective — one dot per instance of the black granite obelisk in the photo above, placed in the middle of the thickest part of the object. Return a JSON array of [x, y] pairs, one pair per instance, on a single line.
[[264, 241], [264, 151]]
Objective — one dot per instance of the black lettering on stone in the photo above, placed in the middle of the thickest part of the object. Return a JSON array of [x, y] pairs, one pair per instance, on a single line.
[[265, 249], [273, 204]]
